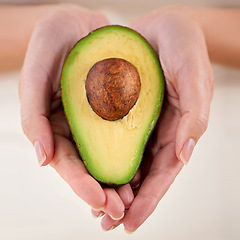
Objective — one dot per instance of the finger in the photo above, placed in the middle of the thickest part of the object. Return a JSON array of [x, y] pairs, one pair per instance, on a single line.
[[162, 174], [40, 80], [40, 77], [36, 92], [67, 163], [97, 213], [126, 194], [189, 82], [35, 103], [135, 182], [195, 98], [114, 206], [108, 223]]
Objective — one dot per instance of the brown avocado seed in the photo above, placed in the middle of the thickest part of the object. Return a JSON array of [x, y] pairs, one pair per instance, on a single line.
[[112, 88]]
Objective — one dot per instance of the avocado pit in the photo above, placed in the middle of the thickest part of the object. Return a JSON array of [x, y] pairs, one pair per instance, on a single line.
[[112, 87]]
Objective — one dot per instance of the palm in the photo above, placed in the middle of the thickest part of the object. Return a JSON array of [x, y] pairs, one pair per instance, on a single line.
[[43, 118]]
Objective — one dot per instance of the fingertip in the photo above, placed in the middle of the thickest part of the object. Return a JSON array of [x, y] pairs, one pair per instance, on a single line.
[[114, 205], [92, 193], [49, 150], [129, 229], [40, 152], [187, 151], [133, 219], [126, 194], [97, 213], [128, 232], [44, 157], [117, 218], [107, 223], [38, 130], [135, 182]]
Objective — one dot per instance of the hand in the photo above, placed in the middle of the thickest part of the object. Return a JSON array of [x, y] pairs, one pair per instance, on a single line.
[[42, 114], [179, 40]]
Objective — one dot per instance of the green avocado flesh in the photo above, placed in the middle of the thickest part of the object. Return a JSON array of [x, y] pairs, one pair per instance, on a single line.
[[112, 150]]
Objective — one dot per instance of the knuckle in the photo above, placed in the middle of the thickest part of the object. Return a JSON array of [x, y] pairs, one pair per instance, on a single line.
[[26, 125], [202, 123], [149, 197]]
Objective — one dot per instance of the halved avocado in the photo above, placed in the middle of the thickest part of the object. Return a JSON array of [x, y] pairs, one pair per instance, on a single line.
[[112, 88]]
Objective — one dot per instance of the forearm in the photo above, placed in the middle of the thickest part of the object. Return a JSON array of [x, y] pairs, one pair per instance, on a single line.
[[16, 26], [222, 32]]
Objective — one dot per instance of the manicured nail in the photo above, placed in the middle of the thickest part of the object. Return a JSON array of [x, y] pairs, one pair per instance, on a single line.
[[41, 155], [98, 209], [105, 230], [128, 232], [187, 151], [99, 215], [136, 186], [117, 218]]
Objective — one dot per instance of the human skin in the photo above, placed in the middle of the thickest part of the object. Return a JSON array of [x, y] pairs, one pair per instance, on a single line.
[[184, 39], [16, 25], [42, 115]]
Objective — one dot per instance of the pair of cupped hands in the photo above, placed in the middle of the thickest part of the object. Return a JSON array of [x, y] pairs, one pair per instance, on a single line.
[[180, 44]]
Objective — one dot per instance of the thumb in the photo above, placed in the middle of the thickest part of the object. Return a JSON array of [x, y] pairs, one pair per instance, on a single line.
[[35, 97], [195, 96]]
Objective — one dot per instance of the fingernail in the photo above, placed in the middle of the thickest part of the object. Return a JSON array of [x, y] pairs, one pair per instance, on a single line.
[[105, 230], [136, 186], [41, 155], [117, 218], [98, 209], [187, 151], [128, 232], [112, 228], [99, 215]]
